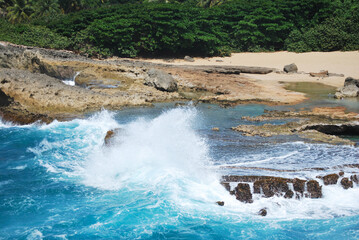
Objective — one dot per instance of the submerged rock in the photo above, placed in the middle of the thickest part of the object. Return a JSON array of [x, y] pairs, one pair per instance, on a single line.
[[110, 135], [355, 179], [346, 183], [291, 68], [243, 193], [263, 212], [160, 80]]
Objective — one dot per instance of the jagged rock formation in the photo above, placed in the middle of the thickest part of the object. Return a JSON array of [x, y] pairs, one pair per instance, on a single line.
[[269, 186]]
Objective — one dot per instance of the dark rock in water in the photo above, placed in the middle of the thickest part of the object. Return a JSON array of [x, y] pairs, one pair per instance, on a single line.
[[289, 194], [188, 59], [263, 212], [330, 179], [220, 203], [270, 187], [110, 135], [341, 173], [298, 185], [161, 80], [355, 179], [243, 193], [226, 186], [291, 68], [346, 183], [232, 192], [314, 189]]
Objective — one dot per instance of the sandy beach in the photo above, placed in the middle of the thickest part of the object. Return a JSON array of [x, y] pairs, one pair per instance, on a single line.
[[334, 62]]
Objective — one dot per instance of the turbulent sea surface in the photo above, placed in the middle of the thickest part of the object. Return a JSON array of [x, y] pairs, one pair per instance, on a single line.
[[160, 179]]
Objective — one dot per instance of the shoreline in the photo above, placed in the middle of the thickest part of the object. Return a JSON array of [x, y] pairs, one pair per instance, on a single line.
[[31, 80]]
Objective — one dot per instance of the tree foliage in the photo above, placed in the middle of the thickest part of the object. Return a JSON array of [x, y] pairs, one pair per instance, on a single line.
[[198, 27]]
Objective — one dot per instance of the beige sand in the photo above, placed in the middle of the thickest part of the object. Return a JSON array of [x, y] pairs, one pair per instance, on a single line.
[[346, 63]]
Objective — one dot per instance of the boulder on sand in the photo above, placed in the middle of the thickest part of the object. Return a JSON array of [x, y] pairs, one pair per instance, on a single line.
[[291, 68], [160, 80]]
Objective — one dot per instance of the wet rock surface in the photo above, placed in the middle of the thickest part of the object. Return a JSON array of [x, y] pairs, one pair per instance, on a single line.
[[243, 193], [330, 179], [269, 186], [346, 183]]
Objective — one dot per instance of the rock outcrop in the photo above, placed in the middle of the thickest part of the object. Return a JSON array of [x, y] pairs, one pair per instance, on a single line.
[[320, 124], [330, 179], [243, 193], [161, 80], [350, 89], [268, 186]]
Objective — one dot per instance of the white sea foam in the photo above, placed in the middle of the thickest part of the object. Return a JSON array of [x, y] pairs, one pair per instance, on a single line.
[[167, 157]]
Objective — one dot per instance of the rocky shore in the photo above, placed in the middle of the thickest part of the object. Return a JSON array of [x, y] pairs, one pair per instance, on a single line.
[[32, 87], [246, 187], [321, 124]]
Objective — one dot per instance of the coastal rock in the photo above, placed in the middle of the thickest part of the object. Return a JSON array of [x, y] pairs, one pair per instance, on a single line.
[[161, 80], [350, 89], [188, 59], [243, 193], [299, 185], [289, 194], [226, 186], [291, 68], [270, 187], [355, 179], [220, 203], [346, 183], [111, 134], [330, 179], [314, 189], [262, 212], [320, 74]]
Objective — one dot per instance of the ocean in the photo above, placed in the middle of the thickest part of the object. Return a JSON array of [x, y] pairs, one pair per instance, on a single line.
[[160, 178]]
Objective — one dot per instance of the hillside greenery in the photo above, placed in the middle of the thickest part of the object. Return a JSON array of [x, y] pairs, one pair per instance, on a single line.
[[132, 28]]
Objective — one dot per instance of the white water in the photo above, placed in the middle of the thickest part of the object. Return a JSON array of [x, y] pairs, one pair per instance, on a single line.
[[166, 156], [71, 82]]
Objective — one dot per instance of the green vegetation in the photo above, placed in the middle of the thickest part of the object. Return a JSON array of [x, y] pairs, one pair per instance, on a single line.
[[133, 28]]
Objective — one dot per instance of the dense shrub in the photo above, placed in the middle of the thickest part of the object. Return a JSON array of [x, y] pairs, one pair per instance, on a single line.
[[30, 35], [150, 28]]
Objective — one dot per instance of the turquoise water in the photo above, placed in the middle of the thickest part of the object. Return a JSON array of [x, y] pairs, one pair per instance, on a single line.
[[160, 179]]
